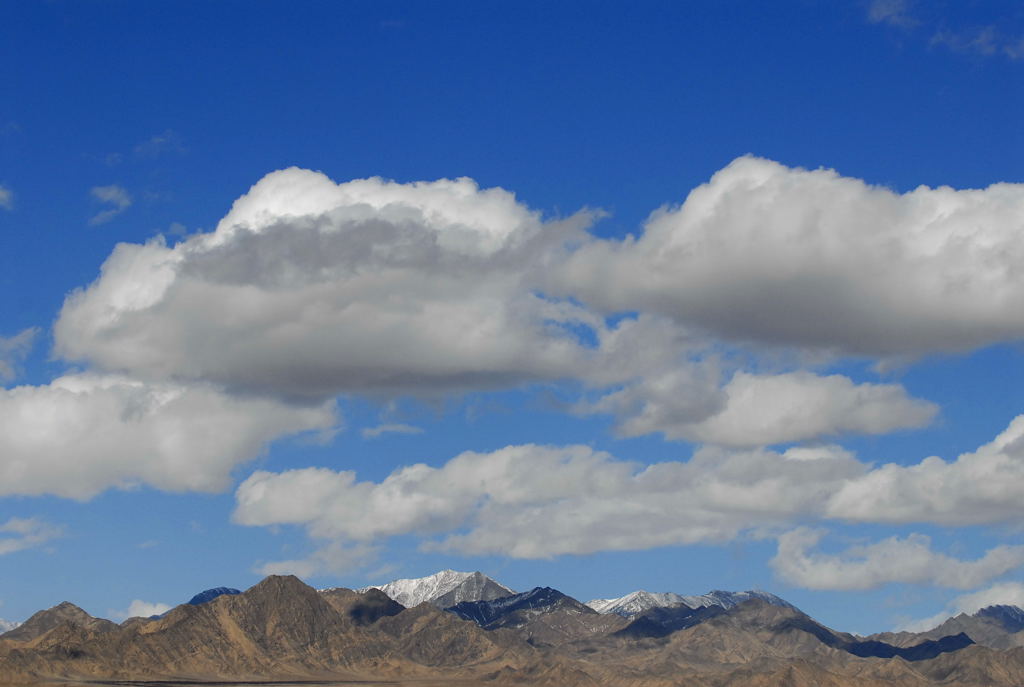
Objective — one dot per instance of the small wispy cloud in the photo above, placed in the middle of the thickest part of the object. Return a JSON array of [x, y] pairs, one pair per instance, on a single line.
[[18, 534], [374, 432], [892, 12], [169, 141], [116, 196], [332, 558], [6, 198], [986, 41], [13, 350]]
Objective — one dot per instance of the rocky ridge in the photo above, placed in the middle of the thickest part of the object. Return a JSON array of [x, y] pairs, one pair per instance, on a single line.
[[65, 612]]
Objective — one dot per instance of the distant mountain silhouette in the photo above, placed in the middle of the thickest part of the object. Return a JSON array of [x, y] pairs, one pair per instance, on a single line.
[[996, 627]]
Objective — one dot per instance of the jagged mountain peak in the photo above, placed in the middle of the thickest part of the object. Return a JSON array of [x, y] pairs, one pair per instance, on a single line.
[[43, 621], [511, 610], [725, 599], [443, 589], [279, 584], [635, 603], [1010, 617]]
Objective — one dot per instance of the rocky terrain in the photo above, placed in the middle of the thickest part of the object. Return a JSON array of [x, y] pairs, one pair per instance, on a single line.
[[282, 629]]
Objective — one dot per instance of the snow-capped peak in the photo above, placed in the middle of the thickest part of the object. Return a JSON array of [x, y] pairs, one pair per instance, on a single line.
[[637, 602], [445, 588], [717, 597]]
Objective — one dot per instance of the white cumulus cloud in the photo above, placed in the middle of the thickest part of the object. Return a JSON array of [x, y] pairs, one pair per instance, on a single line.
[[758, 410], [309, 288], [980, 487], [6, 198], [895, 559], [532, 501], [809, 258], [144, 609], [541, 501], [85, 433]]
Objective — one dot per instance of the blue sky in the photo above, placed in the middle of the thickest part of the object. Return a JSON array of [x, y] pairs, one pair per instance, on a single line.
[[673, 296]]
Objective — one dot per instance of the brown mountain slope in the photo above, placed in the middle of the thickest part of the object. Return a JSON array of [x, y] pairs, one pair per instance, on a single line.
[[987, 629], [754, 643], [362, 608], [44, 621], [977, 665], [281, 629], [541, 616]]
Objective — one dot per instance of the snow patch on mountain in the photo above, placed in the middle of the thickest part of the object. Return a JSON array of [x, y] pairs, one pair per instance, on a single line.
[[635, 603], [7, 625], [445, 588], [717, 597]]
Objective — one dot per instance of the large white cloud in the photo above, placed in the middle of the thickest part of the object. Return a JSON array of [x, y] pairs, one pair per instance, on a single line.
[[536, 501], [895, 559], [85, 433], [789, 256], [541, 501], [308, 289], [311, 288], [984, 486]]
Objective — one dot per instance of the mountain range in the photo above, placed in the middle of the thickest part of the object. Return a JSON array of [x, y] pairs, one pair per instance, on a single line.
[[284, 630]]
